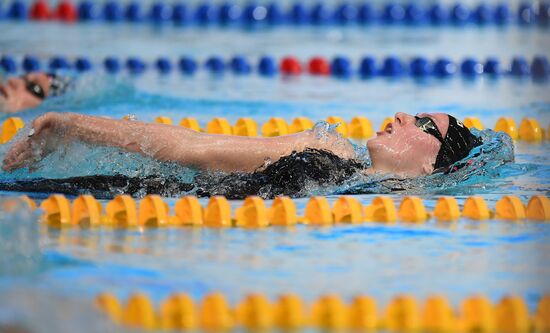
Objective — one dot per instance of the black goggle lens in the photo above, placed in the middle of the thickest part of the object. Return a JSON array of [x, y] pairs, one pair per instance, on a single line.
[[35, 89], [427, 125]]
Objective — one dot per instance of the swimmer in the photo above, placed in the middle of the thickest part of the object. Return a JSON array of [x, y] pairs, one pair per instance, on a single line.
[[30, 90], [411, 146]]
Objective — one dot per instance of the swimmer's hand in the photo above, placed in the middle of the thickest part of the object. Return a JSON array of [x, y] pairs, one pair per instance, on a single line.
[[41, 141]]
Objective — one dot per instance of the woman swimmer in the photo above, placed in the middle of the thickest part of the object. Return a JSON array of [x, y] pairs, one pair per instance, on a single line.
[[411, 146], [29, 91]]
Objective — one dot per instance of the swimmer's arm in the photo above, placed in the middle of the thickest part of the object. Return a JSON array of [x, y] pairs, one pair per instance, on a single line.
[[161, 142], [184, 146]]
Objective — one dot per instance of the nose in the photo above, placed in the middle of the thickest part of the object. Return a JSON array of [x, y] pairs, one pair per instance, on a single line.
[[402, 118]]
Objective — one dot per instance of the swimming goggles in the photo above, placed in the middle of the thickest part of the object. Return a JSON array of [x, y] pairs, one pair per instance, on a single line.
[[58, 85], [427, 125], [34, 88]]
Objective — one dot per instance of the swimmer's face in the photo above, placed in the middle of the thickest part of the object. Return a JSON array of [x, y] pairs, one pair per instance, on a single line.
[[404, 149], [14, 95]]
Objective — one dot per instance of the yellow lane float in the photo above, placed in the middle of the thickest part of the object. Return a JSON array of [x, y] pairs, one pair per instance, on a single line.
[[217, 213], [508, 126], [57, 211], [86, 211], [153, 212], [275, 127], [360, 128], [252, 214], [473, 122], [283, 212], [342, 127], [530, 130], [300, 124], [10, 127], [121, 212], [163, 120], [255, 313], [177, 312], [189, 211], [219, 126], [191, 123], [318, 212], [245, 127], [381, 209]]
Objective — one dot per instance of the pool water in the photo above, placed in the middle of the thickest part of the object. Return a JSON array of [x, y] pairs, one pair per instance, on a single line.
[[48, 273]]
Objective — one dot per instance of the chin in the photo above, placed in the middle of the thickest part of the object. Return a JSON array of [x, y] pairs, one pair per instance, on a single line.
[[373, 144]]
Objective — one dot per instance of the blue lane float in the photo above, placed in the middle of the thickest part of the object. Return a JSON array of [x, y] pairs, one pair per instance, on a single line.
[[444, 67], [187, 65], [180, 14], [8, 64], [215, 64], [83, 64], [492, 67], [367, 67], [88, 11], [470, 67], [17, 11], [502, 14], [483, 14], [342, 12], [392, 67], [59, 63], [519, 67], [134, 12], [112, 11], [240, 65], [230, 13], [161, 12], [163, 65], [267, 66], [414, 14], [135, 65], [320, 14], [112, 65], [254, 14], [420, 67], [340, 66], [393, 13], [31, 64], [540, 68], [206, 14], [346, 13]]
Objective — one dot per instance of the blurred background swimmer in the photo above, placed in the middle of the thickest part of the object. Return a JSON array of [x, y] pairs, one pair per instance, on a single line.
[[30, 90]]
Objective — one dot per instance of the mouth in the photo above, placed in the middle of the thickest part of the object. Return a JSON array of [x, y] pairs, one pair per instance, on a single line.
[[387, 130]]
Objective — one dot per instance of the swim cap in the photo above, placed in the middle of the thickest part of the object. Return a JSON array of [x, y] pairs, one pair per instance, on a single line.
[[457, 144], [58, 84]]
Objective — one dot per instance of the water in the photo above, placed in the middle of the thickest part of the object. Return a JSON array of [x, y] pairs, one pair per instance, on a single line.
[[55, 274]]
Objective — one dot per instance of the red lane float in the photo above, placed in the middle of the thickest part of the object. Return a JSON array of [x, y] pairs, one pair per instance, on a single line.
[[319, 66], [40, 11], [291, 66]]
